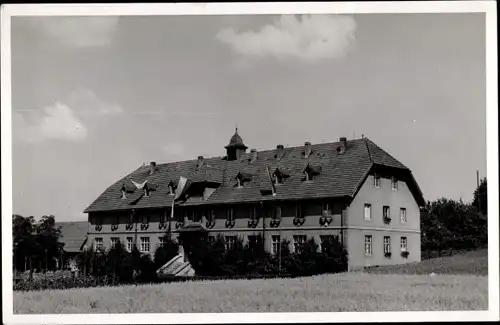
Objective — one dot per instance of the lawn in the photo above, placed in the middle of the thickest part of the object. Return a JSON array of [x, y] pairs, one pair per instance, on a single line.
[[473, 262], [460, 283]]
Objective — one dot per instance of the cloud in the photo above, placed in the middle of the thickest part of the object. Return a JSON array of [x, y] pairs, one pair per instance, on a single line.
[[314, 37], [62, 119], [57, 122], [80, 31]]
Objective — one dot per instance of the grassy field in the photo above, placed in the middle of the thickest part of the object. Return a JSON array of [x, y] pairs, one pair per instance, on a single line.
[[474, 262], [325, 293]]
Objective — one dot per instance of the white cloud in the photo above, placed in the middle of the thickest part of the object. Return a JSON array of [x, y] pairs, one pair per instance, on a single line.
[[313, 37], [57, 122], [62, 119], [80, 31]]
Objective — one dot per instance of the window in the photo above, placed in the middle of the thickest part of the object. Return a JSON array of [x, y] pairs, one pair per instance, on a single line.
[[275, 239], [114, 241], [394, 184], [163, 217], [309, 176], [130, 240], [402, 215], [145, 219], [326, 239], [368, 212], [98, 244], [240, 182], [161, 241], [229, 214], [131, 219], [298, 210], [144, 244], [387, 244], [253, 212], [252, 241], [368, 245], [386, 212], [404, 244], [325, 207], [210, 215], [277, 212], [376, 181], [298, 241], [278, 179], [210, 239], [230, 240], [196, 215]]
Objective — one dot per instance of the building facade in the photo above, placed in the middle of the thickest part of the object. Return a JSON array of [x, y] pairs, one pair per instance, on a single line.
[[350, 189]]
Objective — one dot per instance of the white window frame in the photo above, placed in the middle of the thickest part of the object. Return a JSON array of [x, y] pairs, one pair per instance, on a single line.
[[230, 214], [368, 245], [130, 243], [161, 241], [230, 241], [298, 240], [376, 181], [114, 241], [367, 208], [145, 245], [276, 242], [402, 215], [394, 184], [98, 244], [403, 244], [388, 209], [387, 244]]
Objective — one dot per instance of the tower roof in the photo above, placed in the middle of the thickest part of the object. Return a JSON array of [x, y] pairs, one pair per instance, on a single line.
[[236, 141]]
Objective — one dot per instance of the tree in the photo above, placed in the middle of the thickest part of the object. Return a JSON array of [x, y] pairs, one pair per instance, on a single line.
[[166, 252], [481, 197], [48, 236]]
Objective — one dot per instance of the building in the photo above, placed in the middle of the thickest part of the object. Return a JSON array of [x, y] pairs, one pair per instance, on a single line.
[[74, 238], [352, 189]]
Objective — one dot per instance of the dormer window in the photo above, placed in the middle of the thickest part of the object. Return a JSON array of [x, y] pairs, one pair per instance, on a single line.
[[171, 188], [243, 178], [126, 189], [376, 181], [279, 176], [148, 188], [311, 172]]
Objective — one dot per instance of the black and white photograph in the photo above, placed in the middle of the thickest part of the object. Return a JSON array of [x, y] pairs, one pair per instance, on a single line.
[[167, 161]]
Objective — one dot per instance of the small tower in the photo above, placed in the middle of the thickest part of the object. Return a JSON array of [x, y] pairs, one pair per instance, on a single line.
[[235, 148]]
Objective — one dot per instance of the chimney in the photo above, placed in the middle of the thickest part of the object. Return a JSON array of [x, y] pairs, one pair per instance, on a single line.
[[253, 154], [152, 167], [307, 149], [200, 161], [279, 151], [343, 144]]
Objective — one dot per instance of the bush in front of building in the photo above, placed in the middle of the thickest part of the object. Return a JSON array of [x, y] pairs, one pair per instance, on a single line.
[[165, 252]]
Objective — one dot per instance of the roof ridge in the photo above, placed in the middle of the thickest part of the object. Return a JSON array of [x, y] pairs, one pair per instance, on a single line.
[[368, 149], [247, 153]]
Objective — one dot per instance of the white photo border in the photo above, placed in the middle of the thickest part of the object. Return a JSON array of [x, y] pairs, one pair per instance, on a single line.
[[149, 9]]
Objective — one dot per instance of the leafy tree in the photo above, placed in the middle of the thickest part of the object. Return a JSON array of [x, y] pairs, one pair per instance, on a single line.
[[48, 236], [166, 252]]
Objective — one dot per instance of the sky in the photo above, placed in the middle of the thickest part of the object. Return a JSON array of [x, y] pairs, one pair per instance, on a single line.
[[94, 98]]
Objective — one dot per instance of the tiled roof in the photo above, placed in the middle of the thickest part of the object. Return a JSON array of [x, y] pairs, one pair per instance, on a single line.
[[340, 175], [73, 234]]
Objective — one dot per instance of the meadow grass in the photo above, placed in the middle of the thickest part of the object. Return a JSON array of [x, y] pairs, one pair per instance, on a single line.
[[324, 293], [460, 284]]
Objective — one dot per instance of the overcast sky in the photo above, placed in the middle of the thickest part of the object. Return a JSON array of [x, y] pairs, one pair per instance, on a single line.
[[95, 98]]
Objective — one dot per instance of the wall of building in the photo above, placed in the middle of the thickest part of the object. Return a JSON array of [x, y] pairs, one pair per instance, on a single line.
[[103, 225], [358, 227]]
